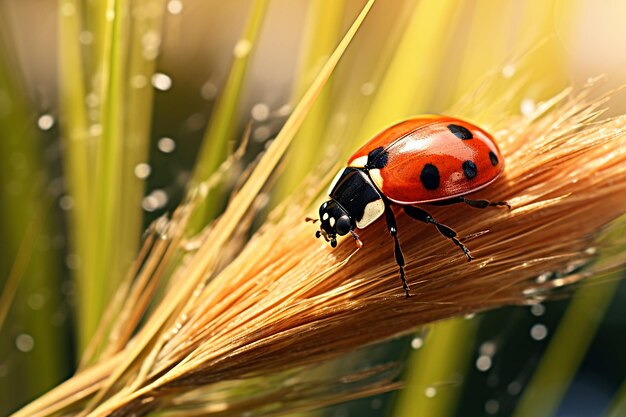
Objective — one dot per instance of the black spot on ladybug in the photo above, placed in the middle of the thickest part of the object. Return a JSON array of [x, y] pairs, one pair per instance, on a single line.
[[469, 169], [430, 177], [377, 158], [460, 132], [493, 158]]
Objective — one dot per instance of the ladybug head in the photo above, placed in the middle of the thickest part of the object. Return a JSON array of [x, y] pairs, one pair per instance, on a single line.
[[334, 221]]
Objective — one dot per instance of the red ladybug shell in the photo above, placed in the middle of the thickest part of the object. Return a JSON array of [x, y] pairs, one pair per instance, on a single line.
[[430, 158]]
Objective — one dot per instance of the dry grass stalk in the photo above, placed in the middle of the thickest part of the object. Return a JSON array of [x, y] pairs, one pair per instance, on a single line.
[[287, 301]]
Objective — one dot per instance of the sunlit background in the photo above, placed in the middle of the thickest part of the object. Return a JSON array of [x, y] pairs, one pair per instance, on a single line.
[[194, 75]]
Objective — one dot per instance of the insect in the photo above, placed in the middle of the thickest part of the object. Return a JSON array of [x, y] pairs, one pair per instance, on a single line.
[[427, 159]]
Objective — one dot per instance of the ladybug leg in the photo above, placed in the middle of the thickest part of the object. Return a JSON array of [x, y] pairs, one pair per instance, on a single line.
[[393, 230], [421, 215], [481, 204], [358, 242]]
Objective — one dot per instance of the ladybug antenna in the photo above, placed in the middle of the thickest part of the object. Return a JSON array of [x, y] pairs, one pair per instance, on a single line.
[[310, 219], [318, 234]]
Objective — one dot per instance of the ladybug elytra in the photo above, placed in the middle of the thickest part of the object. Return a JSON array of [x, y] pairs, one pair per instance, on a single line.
[[426, 159]]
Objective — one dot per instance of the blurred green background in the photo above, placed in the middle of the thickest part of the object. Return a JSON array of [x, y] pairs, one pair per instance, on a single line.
[[109, 109]]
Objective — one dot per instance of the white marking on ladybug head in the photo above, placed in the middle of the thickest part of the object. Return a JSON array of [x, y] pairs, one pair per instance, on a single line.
[[360, 162], [331, 222], [373, 210], [376, 178], [325, 216]]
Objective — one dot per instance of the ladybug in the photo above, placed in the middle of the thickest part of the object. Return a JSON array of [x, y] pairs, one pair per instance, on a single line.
[[427, 159]]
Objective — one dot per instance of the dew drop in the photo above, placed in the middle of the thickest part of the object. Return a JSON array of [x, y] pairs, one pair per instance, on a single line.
[[242, 48], [514, 388], [45, 122], [92, 100], [85, 37], [417, 342], [508, 70], [151, 41], [367, 89], [24, 342], [68, 9], [166, 145], [260, 112], [175, 7], [483, 363], [95, 129], [376, 403], [161, 81], [538, 332], [430, 392], [195, 122], [528, 107], [155, 200], [142, 170], [161, 197], [138, 81], [488, 348], [36, 301], [492, 406], [537, 310], [284, 110], [66, 202], [208, 91], [261, 133]]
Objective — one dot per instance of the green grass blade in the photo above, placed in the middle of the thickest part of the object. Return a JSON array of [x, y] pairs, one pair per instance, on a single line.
[[434, 373], [102, 263], [323, 30], [566, 351], [78, 156], [30, 344], [146, 21], [408, 87], [223, 122], [618, 405], [574, 335]]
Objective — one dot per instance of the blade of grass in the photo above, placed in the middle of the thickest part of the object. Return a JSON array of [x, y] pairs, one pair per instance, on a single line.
[[223, 122], [433, 379], [408, 86], [33, 367], [558, 365], [78, 155], [102, 264], [145, 23], [323, 30], [618, 405], [18, 269], [567, 349], [483, 50]]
